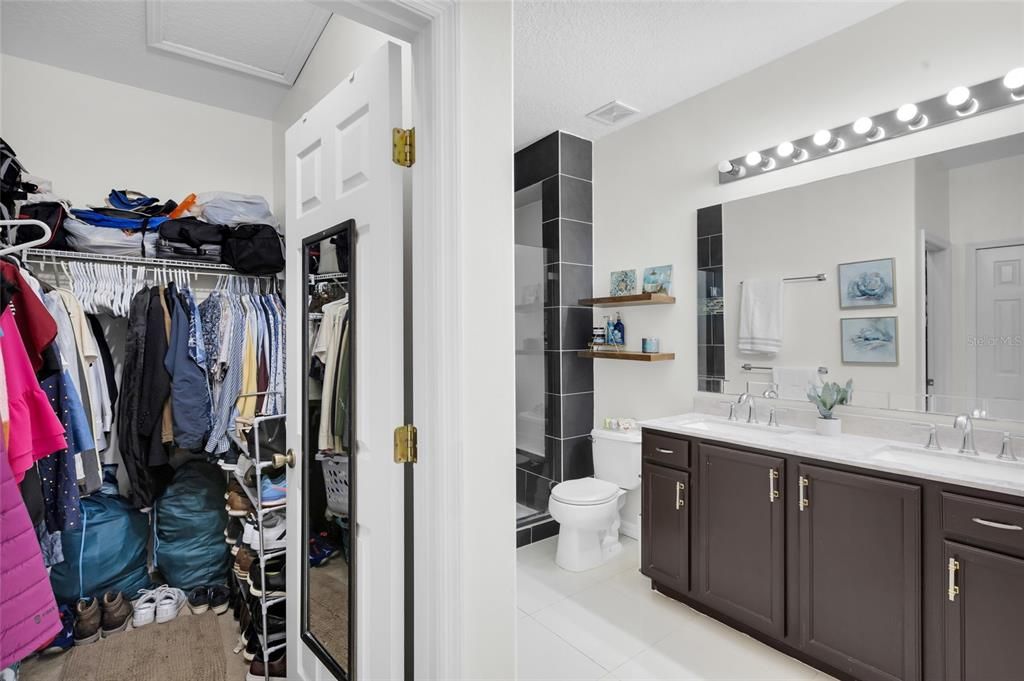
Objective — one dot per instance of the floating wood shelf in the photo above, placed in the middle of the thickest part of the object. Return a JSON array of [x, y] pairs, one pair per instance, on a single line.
[[626, 301], [628, 355]]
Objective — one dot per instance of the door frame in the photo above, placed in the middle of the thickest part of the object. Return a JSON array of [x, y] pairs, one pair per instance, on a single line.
[[971, 318], [432, 28]]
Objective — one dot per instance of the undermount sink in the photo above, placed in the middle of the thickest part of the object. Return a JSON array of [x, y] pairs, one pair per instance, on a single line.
[[723, 427], [950, 462]]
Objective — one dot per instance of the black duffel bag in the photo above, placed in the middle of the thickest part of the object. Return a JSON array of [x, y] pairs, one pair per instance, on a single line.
[[190, 238], [253, 249]]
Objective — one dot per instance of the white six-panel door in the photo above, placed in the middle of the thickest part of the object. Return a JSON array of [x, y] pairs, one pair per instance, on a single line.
[[338, 166], [1000, 325]]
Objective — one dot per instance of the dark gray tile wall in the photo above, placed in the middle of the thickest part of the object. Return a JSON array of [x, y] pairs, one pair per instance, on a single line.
[[563, 164], [710, 303]]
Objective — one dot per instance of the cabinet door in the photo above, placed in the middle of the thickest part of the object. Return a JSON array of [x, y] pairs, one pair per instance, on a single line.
[[665, 537], [742, 537], [984, 625], [860, 573]]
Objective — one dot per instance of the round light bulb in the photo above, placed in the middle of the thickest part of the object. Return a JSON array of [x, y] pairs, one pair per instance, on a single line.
[[906, 113], [1014, 80], [958, 96], [753, 158], [822, 137], [863, 125], [726, 167], [785, 150]]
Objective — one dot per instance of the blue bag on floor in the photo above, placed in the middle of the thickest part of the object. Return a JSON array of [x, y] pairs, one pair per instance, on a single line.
[[189, 548], [108, 552]]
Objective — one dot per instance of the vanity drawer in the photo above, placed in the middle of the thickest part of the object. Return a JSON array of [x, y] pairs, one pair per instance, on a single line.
[[667, 450], [989, 524]]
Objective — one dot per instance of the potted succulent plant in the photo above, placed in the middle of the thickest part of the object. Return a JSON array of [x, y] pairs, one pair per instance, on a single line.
[[826, 398]]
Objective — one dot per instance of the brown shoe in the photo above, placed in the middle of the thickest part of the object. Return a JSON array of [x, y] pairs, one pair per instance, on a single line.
[[243, 561], [87, 621], [278, 668], [233, 486], [238, 504], [117, 613]]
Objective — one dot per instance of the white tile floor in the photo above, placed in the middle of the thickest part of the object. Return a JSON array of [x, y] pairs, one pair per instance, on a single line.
[[607, 623]]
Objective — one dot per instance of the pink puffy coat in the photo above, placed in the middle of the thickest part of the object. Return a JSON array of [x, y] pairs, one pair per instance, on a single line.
[[28, 612]]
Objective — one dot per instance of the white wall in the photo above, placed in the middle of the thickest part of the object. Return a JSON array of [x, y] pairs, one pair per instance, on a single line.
[[342, 47], [986, 203], [813, 228], [487, 340], [89, 135], [651, 177]]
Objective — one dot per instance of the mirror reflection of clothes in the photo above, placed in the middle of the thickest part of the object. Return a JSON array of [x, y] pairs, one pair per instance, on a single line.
[[327, 348]]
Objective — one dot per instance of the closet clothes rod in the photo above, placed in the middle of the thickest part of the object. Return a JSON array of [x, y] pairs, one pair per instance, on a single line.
[[47, 256], [751, 367]]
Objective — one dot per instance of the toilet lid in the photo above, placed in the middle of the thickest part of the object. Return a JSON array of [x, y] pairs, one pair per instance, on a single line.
[[585, 491]]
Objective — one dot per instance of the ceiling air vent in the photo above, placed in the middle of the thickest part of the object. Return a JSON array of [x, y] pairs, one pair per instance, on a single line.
[[612, 112]]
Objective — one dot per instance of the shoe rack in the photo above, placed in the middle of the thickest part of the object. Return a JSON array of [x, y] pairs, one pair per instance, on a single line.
[[261, 461]]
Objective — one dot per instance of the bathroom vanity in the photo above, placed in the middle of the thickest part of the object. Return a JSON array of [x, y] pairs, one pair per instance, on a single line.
[[865, 558]]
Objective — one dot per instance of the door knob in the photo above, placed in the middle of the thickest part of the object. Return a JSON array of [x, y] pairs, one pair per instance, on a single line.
[[282, 459]]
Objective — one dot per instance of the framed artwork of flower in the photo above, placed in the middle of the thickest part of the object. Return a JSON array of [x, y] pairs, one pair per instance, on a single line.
[[869, 340], [868, 283]]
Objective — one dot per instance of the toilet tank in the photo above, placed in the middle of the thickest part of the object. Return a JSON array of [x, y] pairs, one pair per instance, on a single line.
[[617, 457]]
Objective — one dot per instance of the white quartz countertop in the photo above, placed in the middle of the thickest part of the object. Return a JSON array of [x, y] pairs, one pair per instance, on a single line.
[[876, 454]]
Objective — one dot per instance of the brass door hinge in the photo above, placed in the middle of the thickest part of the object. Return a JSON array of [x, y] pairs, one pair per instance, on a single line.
[[405, 444], [403, 146]]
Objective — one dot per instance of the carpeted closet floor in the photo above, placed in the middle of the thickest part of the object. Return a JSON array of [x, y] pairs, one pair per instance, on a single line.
[[181, 650]]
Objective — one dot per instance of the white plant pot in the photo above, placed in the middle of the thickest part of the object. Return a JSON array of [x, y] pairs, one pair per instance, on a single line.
[[829, 427]]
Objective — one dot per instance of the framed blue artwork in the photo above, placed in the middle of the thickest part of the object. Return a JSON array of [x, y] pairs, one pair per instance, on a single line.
[[623, 283], [868, 283], [870, 340], [658, 279]]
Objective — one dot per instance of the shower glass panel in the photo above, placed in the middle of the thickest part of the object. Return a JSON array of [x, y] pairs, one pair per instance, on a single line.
[[533, 474]]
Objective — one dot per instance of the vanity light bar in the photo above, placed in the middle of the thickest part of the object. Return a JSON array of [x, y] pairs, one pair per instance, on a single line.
[[959, 103]]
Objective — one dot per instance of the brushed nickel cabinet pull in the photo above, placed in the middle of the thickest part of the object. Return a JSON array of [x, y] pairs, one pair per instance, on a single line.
[[663, 451], [680, 489], [952, 568], [773, 493], [998, 526]]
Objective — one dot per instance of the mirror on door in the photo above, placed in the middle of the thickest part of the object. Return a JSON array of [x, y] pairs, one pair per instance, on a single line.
[[906, 278], [328, 469]]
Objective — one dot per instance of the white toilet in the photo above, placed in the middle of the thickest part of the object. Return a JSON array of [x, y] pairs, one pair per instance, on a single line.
[[587, 509]]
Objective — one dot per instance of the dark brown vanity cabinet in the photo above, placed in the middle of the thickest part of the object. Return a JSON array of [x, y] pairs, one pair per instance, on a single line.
[[666, 520], [860, 573], [741, 569], [984, 614]]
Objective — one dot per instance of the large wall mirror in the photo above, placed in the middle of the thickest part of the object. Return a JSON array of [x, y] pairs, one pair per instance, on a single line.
[[328, 470], [922, 298]]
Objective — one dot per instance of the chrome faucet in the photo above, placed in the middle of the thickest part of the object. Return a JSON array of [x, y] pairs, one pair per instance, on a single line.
[[1006, 453], [965, 422], [748, 399]]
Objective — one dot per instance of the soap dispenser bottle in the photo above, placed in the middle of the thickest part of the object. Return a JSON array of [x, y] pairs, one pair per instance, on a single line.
[[619, 331]]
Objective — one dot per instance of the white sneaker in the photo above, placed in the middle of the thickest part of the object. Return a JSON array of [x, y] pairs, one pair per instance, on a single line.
[[169, 604], [145, 606], [274, 527]]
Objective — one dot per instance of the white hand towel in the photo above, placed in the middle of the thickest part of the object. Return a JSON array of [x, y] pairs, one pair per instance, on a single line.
[[793, 382], [761, 316]]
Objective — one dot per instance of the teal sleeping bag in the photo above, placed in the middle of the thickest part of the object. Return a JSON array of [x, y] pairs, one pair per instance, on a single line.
[[108, 552], [189, 548]]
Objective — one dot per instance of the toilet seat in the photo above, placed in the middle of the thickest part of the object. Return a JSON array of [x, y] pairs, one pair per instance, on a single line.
[[585, 492]]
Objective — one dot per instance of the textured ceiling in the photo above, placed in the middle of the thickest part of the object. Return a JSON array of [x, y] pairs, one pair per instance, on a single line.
[[107, 39], [573, 56]]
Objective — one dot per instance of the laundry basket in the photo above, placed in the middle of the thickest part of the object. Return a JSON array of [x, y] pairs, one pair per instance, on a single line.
[[336, 480]]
